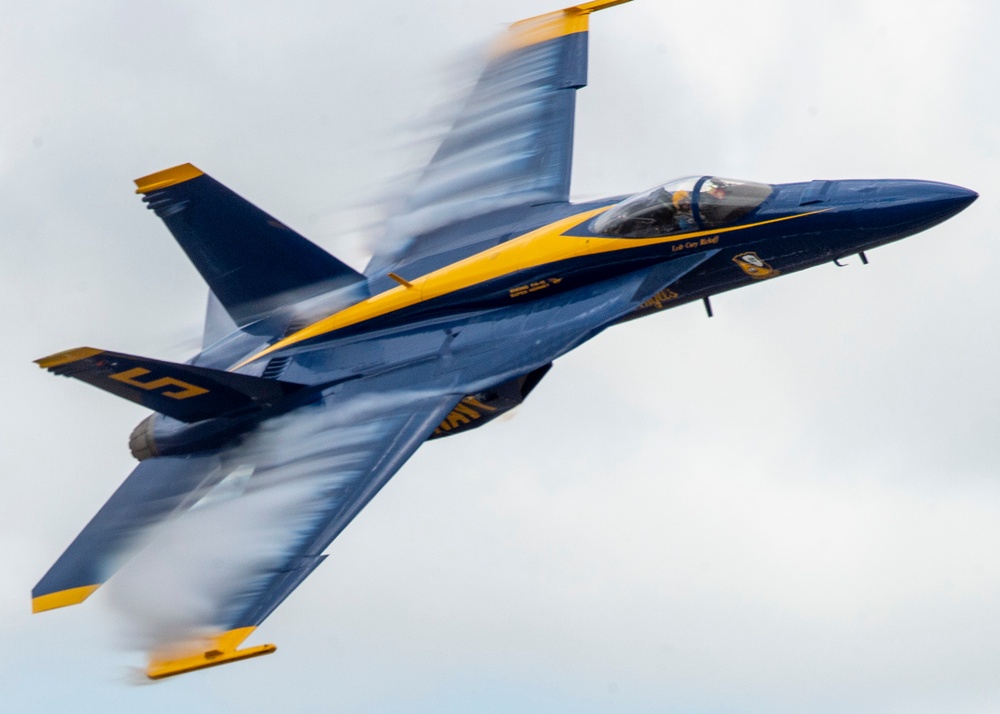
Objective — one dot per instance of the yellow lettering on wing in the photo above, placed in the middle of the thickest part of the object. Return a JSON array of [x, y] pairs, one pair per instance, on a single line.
[[465, 409], [478, 404], [457, 418], [660, 300], [129, 377], [465, 412]]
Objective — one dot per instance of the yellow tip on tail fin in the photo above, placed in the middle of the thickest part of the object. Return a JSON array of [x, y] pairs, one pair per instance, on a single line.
[[167, 177]]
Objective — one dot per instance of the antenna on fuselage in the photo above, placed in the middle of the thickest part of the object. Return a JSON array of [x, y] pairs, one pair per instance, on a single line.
[[861, 254]]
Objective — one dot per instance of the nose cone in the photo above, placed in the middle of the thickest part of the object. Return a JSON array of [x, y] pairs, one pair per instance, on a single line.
[[889, 210], [929, 199]]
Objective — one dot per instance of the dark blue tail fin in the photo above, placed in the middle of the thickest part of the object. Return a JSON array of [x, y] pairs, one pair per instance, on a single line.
[[252, 262]]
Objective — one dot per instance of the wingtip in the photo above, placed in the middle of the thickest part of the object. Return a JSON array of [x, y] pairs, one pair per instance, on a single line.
[[596, 5], [167, 177], [541, 28], [220, 649]]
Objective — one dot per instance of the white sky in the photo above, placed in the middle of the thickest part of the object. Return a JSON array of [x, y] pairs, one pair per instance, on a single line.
[[794, 506]]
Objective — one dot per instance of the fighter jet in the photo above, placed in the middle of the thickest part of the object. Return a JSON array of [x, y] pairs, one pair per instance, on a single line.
[[329, 379]]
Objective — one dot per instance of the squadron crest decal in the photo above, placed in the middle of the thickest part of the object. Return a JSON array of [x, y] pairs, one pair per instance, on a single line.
[[753, 266]]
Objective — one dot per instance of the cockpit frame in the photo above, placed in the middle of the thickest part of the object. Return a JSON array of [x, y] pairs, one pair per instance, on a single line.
[[682, 205]]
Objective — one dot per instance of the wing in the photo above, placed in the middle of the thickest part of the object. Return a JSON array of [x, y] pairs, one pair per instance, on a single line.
[[317, 467], [309, 472], [154, 490], [274, 501], [512, 144]]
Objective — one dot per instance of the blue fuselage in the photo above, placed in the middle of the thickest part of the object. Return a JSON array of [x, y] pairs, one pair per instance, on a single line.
[[798, 225]]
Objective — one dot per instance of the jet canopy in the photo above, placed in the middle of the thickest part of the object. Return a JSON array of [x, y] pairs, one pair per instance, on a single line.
[[687, 204]]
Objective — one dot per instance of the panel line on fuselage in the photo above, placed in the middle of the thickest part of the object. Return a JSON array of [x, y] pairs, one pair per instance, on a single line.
[[542, 246]]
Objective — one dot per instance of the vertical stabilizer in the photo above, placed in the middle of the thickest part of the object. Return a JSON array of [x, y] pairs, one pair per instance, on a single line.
[[252, 262]]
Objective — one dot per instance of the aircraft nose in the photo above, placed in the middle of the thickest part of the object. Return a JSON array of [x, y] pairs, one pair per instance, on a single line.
[[893, 209], [934, 196]]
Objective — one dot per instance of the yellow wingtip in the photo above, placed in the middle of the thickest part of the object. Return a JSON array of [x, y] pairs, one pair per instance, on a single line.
[[167, 177], [538, 29], [596, 5], [65, 357], [216, 650], [62, 598]]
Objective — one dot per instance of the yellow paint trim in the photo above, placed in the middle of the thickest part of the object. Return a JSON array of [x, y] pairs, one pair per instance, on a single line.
[[535, 30], [66, 357], [548, 244], [400, 279], [129, 377], [211, 652], [62, 598], [596, 5], [167, 177]]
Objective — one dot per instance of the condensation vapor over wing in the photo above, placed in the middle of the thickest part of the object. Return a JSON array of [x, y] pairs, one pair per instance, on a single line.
[[297, 480], [512, 143]]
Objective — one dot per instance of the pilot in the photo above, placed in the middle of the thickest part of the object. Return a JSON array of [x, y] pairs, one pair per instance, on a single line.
[[683, 216], [715, 190]]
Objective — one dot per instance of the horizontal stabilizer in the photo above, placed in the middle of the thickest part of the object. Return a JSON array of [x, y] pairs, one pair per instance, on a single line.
[[251, 261], [180, 391]]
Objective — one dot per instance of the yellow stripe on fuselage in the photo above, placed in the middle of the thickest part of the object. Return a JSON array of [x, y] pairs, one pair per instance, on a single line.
[[543, 246]]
